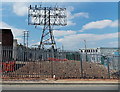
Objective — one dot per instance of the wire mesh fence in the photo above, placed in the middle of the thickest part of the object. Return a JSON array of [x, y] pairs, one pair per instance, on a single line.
[[26, 63]]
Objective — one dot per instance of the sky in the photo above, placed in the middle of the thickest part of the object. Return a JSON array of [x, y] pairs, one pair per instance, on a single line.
[[95, 22]]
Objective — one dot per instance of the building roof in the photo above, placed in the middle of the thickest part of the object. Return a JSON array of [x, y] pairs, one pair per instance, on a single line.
[[100, 48]]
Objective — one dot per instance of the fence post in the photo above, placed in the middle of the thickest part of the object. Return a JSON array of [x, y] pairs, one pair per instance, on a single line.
[[52, 62], [108, 67], [24, 54], [81, 66]]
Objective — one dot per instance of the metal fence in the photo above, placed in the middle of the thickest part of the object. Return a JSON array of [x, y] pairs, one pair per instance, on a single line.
[[27, 63]]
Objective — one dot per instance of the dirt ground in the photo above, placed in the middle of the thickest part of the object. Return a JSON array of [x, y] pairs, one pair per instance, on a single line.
[[62, 80]]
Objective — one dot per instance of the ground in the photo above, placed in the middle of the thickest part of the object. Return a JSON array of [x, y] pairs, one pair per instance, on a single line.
[[61, 84]]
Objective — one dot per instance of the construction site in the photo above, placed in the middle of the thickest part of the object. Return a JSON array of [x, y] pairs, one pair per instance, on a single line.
[[21, 62]]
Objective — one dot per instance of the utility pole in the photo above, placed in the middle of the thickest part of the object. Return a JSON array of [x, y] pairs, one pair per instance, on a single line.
[[62, 47], [25, 44], [25, 38], [85, 50]]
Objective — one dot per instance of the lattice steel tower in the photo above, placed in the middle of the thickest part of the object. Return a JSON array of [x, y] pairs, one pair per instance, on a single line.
[[47, 17]]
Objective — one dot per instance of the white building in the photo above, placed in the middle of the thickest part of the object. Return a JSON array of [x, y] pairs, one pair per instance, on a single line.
[[96, 55], [99, 50]]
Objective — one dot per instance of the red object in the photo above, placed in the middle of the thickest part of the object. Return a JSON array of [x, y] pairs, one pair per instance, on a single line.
[[8, 66], [55, 59]]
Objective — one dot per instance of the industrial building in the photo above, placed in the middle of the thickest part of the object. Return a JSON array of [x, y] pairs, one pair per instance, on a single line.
[[98, 55], [6, 37], [6, 41], [69, 62]]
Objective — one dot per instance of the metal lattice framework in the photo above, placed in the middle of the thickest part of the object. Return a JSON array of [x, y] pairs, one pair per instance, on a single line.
[[47, 17]]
